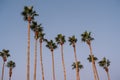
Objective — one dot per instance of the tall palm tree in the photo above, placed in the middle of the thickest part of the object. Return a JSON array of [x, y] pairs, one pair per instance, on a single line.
[[51, 45], [95, 59], [105, 63], [10, 65], [4, 54], [86, 37], [28, 15], [80, 66], [73, 41], [35, 27], [41, 39], [60, 39]]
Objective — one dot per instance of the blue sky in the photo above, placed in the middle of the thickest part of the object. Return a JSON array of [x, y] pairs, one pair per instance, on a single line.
[[68, 17]]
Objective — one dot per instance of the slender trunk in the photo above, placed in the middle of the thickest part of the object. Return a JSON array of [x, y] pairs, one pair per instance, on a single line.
[[10, 73], [53, 71], [77, 72], [94, 72], [63, 63], [35, 59], [28, 53], [78, 75], [3, 70], [42, 69], [108, 75]]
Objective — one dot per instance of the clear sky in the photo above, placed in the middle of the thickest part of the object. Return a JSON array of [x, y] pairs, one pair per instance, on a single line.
[[68, 17]]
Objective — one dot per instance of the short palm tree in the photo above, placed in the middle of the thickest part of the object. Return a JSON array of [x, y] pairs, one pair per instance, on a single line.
[[105, 63], [51, 45], [73, 41], [60, 39], [80, 66], [28, 15], [86, 37], [10, 65], [4, 54], [35, 27]]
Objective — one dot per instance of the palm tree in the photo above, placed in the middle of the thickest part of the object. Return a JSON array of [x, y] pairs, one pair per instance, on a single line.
[[105, 63], [73, 41], [95, 59], [10, 65], [60, 39], [39, 34], [86, 37], [28, 15], [35, 27], [4, 54], [51, 45], [41, 39], [80, 66]]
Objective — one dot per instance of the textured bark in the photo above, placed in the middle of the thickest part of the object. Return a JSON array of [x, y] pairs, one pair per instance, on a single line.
[[63, 63]]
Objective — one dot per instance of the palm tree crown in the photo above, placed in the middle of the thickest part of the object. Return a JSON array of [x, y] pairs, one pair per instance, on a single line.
[[86, 37], [72, 40], [105, 63], [11, 64], [4, 54], [28, 13], [36, 28], [80, 66], [60, 39], [90, 58], [51, 45]]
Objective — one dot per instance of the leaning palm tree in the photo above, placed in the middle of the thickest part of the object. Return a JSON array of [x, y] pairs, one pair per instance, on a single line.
[[73, 41], [4, 54], [105, 63], [10, 65], [86, 37], [28, 15], [60, 39], [51, 45], [80, 66], [34, 26]]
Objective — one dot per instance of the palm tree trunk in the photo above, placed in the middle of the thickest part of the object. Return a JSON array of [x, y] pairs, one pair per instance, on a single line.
[[3, 70], [78, 75], [63, 63], [28, 53], [77, 72], [42, 69], [35, 59], [108, 75], [53, 71], [10, 73], [94, 72]]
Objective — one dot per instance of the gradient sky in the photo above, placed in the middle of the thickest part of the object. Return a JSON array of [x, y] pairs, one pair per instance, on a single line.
[[68, 17]]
